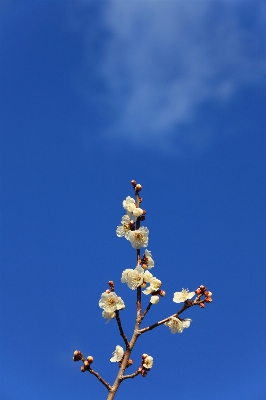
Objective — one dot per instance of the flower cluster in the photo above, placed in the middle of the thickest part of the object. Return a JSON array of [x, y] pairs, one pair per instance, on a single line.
[[147, 363], [177, 325]]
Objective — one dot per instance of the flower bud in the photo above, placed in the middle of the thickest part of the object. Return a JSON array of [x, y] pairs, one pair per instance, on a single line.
[[111, 283], [130, 362], [90, 359], [143, 373], [144, 356], [162, 293], [208, 300], [138, 187], [86, 364], [78, 355], [202, 305], [133, 183], [82, 368], [108, 291], [198, 291], [144, 284], [202, 287], [144, 212]]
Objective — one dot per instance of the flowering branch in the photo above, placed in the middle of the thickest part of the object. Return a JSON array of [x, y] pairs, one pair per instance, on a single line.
[[138, 279]]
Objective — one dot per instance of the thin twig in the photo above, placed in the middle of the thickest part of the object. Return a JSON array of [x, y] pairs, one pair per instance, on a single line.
[[109, 387], [145, 312], [131, 375], [118, 320]]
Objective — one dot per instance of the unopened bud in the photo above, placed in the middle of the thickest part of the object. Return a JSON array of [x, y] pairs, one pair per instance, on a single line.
[[202, 305], [202, 287], [82, 368], [130, 362], [209, 294], [139, 369], [108, 291], [208, 300], [143, 373], [144, 356], [78, 355], [162, 293], [138, 187], [198, 291], [144, 212], [144, 266], [133, 183], [90, 359]]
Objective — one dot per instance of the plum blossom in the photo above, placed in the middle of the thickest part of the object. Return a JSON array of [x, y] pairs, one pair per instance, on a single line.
[[155, 299], [124, 228], [155, 285], [108, 315], [133, 212], [135, 277], [117, 354], [148, 362], [148, 259], [110, 302], [176, 325], [138, 238], [179, 297]]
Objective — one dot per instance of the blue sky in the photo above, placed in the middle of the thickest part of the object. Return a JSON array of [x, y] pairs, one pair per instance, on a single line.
[[94, 94]]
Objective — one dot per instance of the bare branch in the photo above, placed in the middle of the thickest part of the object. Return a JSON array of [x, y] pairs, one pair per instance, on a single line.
[[118, 320], [145, 312], [131, 375], [98, 376]]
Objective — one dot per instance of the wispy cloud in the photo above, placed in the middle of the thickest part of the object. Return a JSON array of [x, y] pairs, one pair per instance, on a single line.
[[158, 61]]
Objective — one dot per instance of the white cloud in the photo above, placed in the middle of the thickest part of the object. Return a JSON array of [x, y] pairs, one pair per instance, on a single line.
[[162, 59]]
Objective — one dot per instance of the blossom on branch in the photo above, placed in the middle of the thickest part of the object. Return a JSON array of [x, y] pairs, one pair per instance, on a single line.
[[176, 325], [123, 229], [180, 297], [110, 302], [155, 285], [147, 259], [138, 238], [148, 362], [108, 315], [135, 277], [154, 299], [117, 354]]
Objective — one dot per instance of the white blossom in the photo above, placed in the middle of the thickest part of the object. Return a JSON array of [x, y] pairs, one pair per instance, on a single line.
[[148, 362], [176, 325], [155, 285], [129, 204], [124, 275], [133, 277], [179, 297], [155, 299], [137, 212], [117, 354], [149, 259], [138, 238], [123, 229], [110, 302], [147, 276], [108, 315]]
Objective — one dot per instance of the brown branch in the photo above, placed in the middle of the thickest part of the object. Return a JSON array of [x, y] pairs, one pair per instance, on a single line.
[[109, 387], [131, 375], [118, 320], [145, 312]]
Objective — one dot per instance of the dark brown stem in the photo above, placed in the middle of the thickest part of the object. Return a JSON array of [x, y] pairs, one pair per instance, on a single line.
[[109, 387], [121, 329], [145, 312]]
